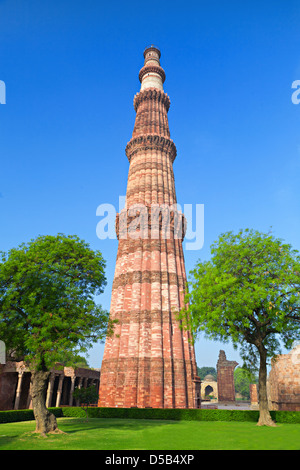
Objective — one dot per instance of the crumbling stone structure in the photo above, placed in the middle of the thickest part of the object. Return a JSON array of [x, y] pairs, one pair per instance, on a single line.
[[225, 369], [149, 361], [284, 382]]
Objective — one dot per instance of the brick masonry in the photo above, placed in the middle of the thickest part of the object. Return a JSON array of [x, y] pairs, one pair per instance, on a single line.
[[225, 369], [284, 382], [253, 394], [150, 361]]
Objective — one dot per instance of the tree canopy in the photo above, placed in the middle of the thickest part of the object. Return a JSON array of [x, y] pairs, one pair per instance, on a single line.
[[47, 298], [242, 381], [47, 304], [206, 370], [248, 293]]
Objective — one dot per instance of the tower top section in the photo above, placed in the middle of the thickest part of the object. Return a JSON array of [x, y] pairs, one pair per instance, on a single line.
[[152, 75], [151, 50]]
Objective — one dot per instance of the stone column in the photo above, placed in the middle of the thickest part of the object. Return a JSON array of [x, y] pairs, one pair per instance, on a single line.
[[29, 399], [85, 382], [253, 396], [79, 386], [59, 389], [50, 389], [197, 388], [72, 390], [19, 389]]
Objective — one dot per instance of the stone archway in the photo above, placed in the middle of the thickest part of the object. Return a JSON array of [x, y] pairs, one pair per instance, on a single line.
[[208, 391], [209, 387]]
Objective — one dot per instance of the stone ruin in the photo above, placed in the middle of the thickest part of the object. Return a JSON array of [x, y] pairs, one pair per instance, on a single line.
[[284, 381], [225, 369]]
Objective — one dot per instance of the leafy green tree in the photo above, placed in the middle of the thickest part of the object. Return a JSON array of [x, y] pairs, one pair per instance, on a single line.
[[87, 396], [47, 306], [203, 371], [242, 380], [71, 359], [248, 293]]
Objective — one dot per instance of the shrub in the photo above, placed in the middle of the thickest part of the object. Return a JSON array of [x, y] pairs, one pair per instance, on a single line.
[[155, 413], [181, 414], [13, 416]]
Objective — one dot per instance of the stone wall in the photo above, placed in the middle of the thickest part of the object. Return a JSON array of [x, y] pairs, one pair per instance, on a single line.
[[284, 382]]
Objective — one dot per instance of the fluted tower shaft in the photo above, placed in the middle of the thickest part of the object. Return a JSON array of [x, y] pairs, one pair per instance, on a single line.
[[149, 361]]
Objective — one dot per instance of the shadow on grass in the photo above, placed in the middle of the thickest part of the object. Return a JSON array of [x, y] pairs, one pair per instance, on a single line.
[[6, 440], [72, 426], [78, 425]]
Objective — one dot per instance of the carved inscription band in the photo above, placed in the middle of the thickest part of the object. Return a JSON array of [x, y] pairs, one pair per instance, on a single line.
[[152, 94], [146, 276]]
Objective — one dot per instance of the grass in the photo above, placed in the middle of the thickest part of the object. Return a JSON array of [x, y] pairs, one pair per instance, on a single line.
[[128, 434]]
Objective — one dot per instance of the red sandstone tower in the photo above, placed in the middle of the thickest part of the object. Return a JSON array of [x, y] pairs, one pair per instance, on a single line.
[[149, 362]]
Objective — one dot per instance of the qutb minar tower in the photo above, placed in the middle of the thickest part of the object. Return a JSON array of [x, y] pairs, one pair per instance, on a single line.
[[149, 361]]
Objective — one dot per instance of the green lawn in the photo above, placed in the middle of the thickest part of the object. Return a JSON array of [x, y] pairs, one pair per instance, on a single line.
[[120, 434]]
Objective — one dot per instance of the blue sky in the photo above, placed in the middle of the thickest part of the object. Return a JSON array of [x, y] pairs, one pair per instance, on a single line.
[[71, 72]]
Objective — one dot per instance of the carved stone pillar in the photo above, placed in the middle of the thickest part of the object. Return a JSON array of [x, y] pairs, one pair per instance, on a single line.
[[72, 390], [29, 399], [79, 386], [59, 390], [50, 389], [19, 389]]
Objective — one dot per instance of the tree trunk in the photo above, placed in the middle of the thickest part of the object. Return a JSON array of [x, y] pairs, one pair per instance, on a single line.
[[264, 414], [45, 421]]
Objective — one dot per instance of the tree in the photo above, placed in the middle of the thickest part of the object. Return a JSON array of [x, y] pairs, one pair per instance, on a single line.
[[248, 293], [47, 306], [203, 371], [242, 380], [86, 396], [71, 359]]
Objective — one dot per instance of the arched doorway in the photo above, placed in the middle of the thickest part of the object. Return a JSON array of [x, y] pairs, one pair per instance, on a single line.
[[208, 390]]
